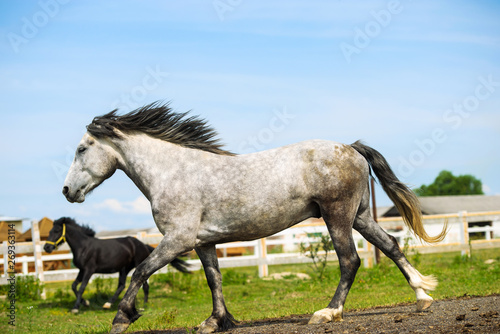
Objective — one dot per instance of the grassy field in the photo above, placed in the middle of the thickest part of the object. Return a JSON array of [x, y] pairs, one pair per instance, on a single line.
[[179, 300]]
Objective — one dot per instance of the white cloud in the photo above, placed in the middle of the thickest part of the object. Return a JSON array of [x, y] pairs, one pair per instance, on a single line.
[[141, 205], [138, 206]]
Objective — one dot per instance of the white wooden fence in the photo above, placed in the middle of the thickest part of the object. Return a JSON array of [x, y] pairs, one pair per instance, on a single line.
[[456, 240]]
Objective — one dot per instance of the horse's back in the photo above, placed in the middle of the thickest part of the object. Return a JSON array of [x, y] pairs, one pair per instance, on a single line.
[[113, 254], [309, 168], [256, 195]]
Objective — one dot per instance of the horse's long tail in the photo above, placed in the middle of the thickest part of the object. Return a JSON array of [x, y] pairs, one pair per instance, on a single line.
[[405, 200], [177, 263]]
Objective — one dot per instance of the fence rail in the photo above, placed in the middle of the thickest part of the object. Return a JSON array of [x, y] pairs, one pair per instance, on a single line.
[[290, 239]]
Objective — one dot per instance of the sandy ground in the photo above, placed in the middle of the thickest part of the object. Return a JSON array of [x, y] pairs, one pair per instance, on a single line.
[[459, 315]]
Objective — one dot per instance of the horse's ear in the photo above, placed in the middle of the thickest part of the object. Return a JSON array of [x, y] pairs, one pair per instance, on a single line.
[[90, 140]]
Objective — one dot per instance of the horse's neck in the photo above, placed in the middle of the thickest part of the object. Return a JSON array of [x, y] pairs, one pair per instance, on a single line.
[[150, 162], [75, 238]]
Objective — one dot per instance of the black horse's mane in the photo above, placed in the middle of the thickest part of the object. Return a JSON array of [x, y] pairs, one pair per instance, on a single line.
[[70, 221], [158, 120]]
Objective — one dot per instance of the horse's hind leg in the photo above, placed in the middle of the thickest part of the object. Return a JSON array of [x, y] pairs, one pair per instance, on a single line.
[[220, 319], [372, 232], [121, 285], [339, 219]]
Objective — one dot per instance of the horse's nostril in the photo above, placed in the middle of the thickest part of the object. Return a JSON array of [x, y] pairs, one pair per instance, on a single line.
[[65, 190]]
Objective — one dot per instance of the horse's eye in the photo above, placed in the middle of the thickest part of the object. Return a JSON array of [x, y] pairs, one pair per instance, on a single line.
[[81, 149]]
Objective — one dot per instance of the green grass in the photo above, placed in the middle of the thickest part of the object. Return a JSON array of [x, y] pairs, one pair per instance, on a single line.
[[178, 300]]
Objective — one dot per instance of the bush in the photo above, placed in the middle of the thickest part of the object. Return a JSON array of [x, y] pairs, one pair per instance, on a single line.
[[104, 288], [28, 288], [63, 294], [313, 251]]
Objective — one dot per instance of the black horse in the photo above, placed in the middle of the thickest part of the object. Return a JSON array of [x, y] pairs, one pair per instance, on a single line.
[[103, 256]]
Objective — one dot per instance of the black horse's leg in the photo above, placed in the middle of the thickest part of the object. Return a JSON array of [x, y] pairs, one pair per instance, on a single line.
[[220, 319], [372, 232], [121, 285], [74, 286], [339, 218], [87, 273], [166, 251]]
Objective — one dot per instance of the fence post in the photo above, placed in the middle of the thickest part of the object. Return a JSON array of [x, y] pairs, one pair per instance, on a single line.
[[37, 253], [464, 232], [262, 255], [25, 265], [488, 232], [370, 249]]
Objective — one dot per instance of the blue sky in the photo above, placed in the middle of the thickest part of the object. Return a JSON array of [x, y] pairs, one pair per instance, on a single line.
[[417, 80]]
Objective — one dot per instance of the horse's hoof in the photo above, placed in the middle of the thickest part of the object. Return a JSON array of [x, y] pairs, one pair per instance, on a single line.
[[107, 305], [326, 315], [207, 327], [320, 318], [118, 328], [422, 304], [74, 311]]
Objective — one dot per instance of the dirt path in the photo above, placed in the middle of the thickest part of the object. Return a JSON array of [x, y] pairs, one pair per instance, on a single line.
[[460, 315]]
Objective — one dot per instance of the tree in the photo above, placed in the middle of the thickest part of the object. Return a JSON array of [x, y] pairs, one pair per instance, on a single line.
[[448, 184]]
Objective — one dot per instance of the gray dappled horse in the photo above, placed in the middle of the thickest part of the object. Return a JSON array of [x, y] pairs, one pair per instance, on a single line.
[[202, 195]]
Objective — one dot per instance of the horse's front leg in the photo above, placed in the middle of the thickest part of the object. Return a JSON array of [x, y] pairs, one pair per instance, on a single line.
[[167, 250], [220, 319], [84, 275], [74, 287]]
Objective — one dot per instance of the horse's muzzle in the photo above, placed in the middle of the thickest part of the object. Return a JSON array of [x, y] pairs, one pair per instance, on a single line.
[[48, 248], [76, 197]]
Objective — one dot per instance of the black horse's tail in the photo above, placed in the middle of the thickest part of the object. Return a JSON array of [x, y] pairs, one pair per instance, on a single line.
[[181, 265], [404, 198], [177, 263]]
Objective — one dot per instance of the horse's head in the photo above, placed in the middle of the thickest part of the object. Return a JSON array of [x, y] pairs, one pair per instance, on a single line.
[[57, 235], [95, 161]]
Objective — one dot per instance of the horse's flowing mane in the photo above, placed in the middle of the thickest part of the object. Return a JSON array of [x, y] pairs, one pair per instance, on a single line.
[[158, 120], [70, 221]]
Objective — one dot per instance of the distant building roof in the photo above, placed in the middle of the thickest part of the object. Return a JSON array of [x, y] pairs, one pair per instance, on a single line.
[[5, 230], [44, 226], [11, 219], [432, 205], [382, 210]]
